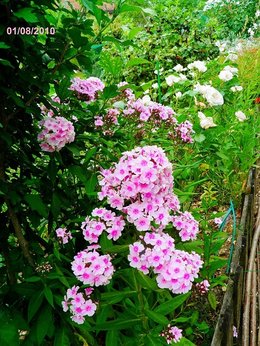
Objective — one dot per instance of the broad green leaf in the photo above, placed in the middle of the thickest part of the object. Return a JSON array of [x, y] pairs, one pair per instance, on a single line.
[[185, 342], [8, 334], [116, 296], [129, 8], [62, 89], [172, 304], [212, 300], [3, 45], [145, 281], [48, 295], [156, 317], [117, 249], [35, 304], [152, 340], [45, 319], [118, 324], [36, 203], [136, 62], [33, 279], [61, 337], [112, 338], [6, 63], [26, 14], [199, 138], [62, 278]]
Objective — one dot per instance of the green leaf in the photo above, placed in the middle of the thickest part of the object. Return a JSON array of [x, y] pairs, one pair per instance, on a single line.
[[212, 300], [61, 337], [116, 296], [117, 324], [117, 249], [185, 342], [156, 317], [43, 322], [172, 304], [48, 295], [33, 279], [129, 8], [8, 334], [145, 281], [112, 338], [152, 340], [136, 62], [26, 14], [199, 138], [35, 202], [34, 304], [3, 45], [62, 89]]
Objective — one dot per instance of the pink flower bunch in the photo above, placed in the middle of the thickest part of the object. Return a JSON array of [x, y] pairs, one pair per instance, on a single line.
[[49, 112], [218, 221], [87, 89], [127, 92], [172, 334], [107, 121], [63, 235], [153, 251], [78, 304], [56, 133], [184, 131], [91, 268], [179, 272], [175, 269], [203, 286], [152, 111], [141, 185], [187, 226], [102, 220]]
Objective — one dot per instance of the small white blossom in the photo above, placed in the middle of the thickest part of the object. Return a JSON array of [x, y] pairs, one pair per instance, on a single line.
[[236, 88], [240, 116], [206, 122]]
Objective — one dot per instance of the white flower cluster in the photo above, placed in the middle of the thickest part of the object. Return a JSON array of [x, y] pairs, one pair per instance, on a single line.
[[228, 73], [212, 95]]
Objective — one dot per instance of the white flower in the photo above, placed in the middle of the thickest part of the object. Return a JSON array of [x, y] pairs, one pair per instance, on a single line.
[[182, 77], [206, 122], [211, 94], [147, 100], [170, 80], [178, 95], [232, 57], [231, 69], [240, 116], [257, 14], [225, 75], [199, 65], [251, 32], [214, 97], [178, 68], [155, 86], [236, 88]]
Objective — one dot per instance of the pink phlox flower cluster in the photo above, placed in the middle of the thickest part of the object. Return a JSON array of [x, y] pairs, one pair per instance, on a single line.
[[102, 220], [92, 269], [172, 334], [78, 304], [56, 133], [153, 111], [218, 221], [49, 112], [184, 131], [87, 89], [203, 286], [63, 235], [107, 121], [187, 226], [140, 185], [153, 251], [127, 92], [175, 269], [178, 274]]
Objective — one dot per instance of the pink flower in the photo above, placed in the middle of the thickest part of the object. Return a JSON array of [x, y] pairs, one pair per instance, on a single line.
[[63, 235], [56, 133], [87, 89], [203, 286], [172, 334]]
